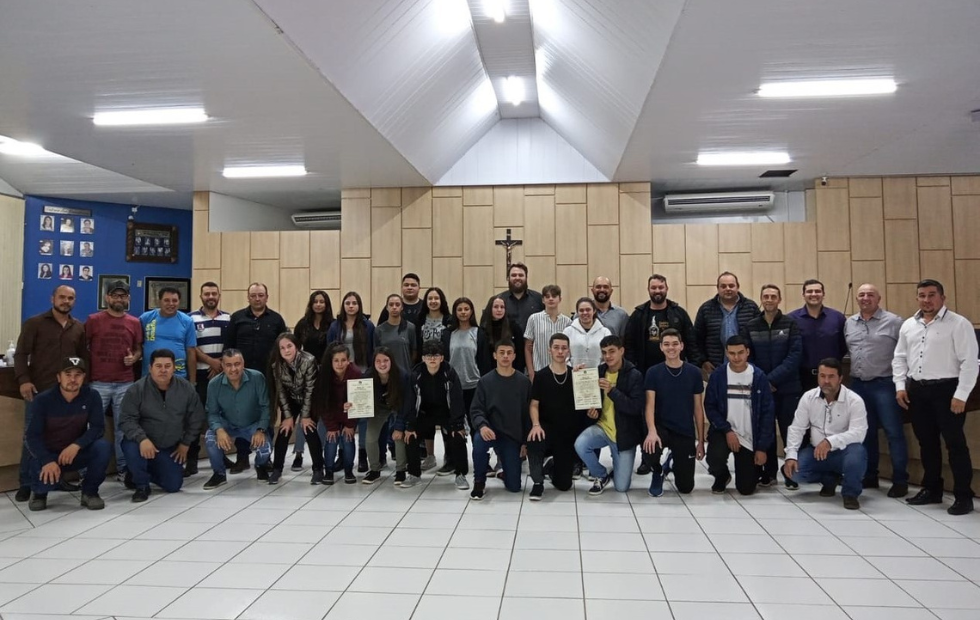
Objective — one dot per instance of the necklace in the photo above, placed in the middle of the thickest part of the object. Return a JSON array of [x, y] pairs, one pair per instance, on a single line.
[[564, 377], [679, 371]]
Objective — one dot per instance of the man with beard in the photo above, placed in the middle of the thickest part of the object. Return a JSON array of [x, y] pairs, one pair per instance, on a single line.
[[412, 306], [45, 341], [610, 315], [167, 327], [253, 330], [822, 329], [718, 319], [115, 344], [521, 303], [210, 324]]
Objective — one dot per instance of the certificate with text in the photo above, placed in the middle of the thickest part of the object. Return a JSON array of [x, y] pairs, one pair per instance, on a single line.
[[585, 387], [360, 394]]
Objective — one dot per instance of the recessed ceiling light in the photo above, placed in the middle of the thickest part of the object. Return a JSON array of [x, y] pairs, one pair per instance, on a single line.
[[258, 172], [495, 10], [743, 158], [151, 116], [829, 88], [9, 146], [452, 17], [514, 90]]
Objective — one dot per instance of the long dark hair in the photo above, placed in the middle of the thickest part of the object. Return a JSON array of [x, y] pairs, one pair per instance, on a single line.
[[360, 331], [275, 362], [496, 330], [310, 316], [395, 395], [456, 304], [443, 304]]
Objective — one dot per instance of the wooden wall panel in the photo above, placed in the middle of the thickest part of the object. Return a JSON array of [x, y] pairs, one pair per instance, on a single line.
[[539, 228], [935, 218], [201, 201], [901, 251], [325, 259], [294, 288], [604, 252], [384, 282], [539, 190], [634, 223], [734, 238], [899, 198], [572, 239], [701, 242], [417, 253], [416, 207], [478, 236], [570, 194], [834, 270], [767, 243], [266, 271], [542, 268], [207, 245], [669, 243], [386, 236], [833, 220], [868, 272], [867, 229], [939, 265], [199, 277], [968, 295], [265, 245], [355, 227], [386, 197], [574, 281], [965, 185], [697, 295], [741, 265], [447, 226], [932, 181], [801, 260], [448, 274], [447, 192], [235, 257], [356, 192], [478, 284], [603, 203], [901, 299], [508, 206], [294, 249], [355, 275], [478, 196], [634, 271], [770, 273], [966, 226], [676, 274], [865, 187]]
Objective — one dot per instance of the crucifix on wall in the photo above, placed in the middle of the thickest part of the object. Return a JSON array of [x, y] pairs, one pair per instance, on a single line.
[[509, 243]]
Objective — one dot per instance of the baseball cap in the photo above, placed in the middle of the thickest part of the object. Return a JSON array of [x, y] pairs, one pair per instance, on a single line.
[[116, 285], [70, 363]]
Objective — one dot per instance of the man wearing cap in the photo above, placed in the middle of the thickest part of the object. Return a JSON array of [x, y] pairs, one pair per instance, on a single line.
[[45, 340], [115, 343], [161, 417], [65, 434]]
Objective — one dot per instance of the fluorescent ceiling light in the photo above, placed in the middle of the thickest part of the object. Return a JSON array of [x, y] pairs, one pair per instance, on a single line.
[[257, 172], [743, 158], [495, 10], [9, 146], [452, 17], [151, 116], [829, 88], [514, 90]]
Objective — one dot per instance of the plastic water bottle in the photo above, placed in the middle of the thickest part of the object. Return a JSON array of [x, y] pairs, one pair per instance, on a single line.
[[10, 353]]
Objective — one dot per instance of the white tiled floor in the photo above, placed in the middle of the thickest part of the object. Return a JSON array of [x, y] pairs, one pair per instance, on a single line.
[[296, 552]]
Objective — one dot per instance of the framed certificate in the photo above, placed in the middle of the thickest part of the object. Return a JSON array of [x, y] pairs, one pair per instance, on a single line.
[[360, 394], [585, 387]]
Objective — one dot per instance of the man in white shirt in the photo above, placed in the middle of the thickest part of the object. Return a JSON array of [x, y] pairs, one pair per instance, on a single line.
[[935, 369], [837, 421]]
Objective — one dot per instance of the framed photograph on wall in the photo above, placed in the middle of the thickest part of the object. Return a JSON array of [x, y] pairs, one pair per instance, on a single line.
[[152, 286], [151, 243], [105, 280]]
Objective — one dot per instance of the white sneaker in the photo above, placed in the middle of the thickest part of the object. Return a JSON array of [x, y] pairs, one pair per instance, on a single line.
[[428, 462], [461, 483], [410, 481]]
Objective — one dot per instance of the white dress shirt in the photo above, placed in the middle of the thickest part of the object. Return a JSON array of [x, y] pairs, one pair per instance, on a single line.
[[945, 348], [841, 422]]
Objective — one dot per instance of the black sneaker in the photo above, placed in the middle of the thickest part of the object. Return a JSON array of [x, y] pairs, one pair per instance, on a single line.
[[128, 481], [399, 478], [600, 484], [851, 503], [350, 478], [215, 481], [479, 487], [898, 490], [327, 478], [925, 496], [141, 495], [274, 476], [537, 491], [228, 463], [38, 502], [297, 463], [644, 469], [190, 468], [960, 507], [548, 468], [23, 494], [765, 480], [362, 464], [720, 483], [446, 469], [92, 502], [240, 465], [791, 484], [262, 472], [829, 489], [317, 477], [371, 477], [576, 471], [870, 483]]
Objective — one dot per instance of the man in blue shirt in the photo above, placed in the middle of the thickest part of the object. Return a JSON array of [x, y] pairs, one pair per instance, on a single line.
[[822, 329], [168, 328]]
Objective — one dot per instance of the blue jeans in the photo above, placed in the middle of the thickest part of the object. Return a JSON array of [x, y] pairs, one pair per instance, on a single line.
[[94, 458], [594, 438], [508, 452], [113, 393], [330, 449], [883, 410], [849, 462], [162, 470], [217, 456]]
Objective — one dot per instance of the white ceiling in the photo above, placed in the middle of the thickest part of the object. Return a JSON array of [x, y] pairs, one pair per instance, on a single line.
[[406, 93]]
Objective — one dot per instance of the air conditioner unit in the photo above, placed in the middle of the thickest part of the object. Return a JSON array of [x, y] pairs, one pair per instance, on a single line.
[[720, 202], [323, 220]]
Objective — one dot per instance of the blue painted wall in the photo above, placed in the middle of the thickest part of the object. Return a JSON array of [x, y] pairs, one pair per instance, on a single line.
[[109, 252]]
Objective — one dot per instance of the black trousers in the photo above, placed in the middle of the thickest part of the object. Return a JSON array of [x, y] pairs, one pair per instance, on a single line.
[[562, 449], [929, 406], [717, 455], [785, 411], [312, 440], [425, 427], [684, 451]]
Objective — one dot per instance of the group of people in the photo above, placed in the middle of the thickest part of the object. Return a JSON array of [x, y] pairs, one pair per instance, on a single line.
[[504, 383]]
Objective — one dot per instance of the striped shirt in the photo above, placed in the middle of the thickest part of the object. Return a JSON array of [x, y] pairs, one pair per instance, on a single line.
[[210, 333], [540, 327]]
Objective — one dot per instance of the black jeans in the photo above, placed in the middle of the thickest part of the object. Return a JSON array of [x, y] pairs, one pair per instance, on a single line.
[[929, 406], [562, 449], [282, 446], [745, 474], [684, 451], [785, 411], [425, 427]]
